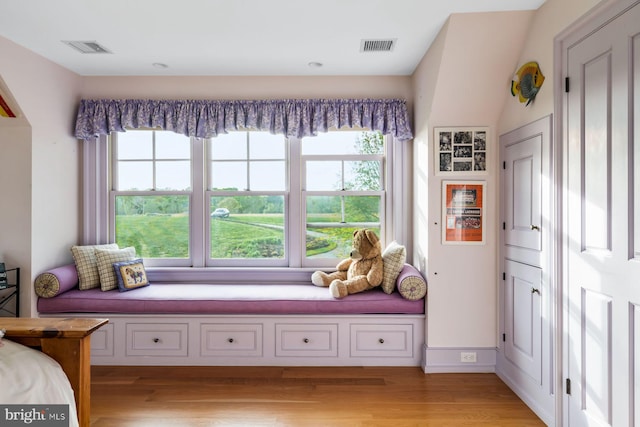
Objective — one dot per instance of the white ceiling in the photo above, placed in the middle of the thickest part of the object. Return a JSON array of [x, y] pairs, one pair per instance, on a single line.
[[235, 37]]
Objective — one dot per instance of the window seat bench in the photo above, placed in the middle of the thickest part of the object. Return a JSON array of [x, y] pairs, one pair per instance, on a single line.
[[184, 298], [244, 324]]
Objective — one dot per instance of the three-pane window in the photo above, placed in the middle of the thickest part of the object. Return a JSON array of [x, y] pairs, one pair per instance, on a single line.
[[246, 198]]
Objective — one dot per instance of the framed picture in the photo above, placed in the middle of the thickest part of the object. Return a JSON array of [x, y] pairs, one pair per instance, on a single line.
[[3, 276], [461, 150], [463, 216]]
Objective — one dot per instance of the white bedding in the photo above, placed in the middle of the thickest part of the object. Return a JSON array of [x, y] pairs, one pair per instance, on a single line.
[[28, 376]]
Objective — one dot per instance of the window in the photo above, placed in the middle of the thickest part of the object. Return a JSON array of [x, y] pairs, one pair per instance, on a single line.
[[342, 190], [152, 194], [247, 198], [247, 192]]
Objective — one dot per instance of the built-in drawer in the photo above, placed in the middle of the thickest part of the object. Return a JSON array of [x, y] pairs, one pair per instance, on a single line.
[[157, 339], [317, 340], [231, 340], [381, 340], [102, 341]]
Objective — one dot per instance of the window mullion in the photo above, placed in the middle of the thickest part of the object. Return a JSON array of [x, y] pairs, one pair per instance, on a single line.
[[295, 210], [199, 207], [154, 160], [248, 160]]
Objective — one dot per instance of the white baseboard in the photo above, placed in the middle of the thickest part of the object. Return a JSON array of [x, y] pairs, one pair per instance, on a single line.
[[449, 360]]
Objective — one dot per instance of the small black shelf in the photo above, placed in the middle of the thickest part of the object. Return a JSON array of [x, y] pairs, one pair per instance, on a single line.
[[10, 291]]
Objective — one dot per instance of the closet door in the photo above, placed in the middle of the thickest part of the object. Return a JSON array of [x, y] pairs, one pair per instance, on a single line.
[[602, 264], [525, 354]]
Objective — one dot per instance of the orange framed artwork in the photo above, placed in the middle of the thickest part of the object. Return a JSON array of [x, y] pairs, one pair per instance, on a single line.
[[463, 216]]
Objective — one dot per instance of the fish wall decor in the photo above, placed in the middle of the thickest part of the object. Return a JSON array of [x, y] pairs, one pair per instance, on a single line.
[[527, 83]]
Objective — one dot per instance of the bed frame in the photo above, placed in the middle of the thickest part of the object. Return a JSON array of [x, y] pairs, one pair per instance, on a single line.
[[68, 342]]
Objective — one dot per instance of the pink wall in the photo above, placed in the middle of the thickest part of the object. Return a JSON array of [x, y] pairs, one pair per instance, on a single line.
[[461, 82], [40, 216]]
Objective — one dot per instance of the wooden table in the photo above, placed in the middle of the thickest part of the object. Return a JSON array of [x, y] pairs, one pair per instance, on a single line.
[[65, 340]]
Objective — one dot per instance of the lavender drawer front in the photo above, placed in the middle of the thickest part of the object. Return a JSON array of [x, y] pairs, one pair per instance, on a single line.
[[239, 340], [381, 340], [307, 340], [157, 339]]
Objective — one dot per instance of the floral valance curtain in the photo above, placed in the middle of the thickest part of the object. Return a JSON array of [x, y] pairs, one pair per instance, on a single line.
[[208, 118]]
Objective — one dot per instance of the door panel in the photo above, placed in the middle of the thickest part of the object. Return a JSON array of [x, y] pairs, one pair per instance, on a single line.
[[523, 320], [596, 158], [595, 383], [522, 199]]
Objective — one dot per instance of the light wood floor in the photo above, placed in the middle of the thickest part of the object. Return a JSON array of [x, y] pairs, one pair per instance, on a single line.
[[274, 396]]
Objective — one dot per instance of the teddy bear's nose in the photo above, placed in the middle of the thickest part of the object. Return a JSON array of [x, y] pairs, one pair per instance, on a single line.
[[355, 254]]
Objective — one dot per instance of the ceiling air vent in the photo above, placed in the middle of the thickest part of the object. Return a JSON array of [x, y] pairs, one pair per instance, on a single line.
[[377, 45], [87, 46]]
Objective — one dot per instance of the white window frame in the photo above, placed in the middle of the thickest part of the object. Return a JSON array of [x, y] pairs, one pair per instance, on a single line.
[[195, 203], [99, 217], [242, 262]]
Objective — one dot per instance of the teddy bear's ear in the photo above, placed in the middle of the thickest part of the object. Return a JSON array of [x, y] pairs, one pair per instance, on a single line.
[[371, 236]]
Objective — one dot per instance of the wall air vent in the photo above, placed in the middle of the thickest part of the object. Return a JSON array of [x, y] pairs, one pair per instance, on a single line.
[[377, 45], [86, 46]]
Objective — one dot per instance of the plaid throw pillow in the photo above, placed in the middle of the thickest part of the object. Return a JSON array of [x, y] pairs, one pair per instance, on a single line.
[[105, 259], [393, 259], [86, 264]]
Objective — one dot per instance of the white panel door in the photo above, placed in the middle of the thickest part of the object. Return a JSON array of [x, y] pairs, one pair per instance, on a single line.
[[601, 266]]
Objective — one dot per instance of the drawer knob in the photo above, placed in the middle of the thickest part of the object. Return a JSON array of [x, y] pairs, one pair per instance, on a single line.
[[306, 340], [156, 340], [381, 341], [230, 340]]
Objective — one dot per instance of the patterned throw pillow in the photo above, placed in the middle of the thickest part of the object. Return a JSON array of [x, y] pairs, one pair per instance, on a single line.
[[130, 274], [393, 259], [87, 266], [105, 259]]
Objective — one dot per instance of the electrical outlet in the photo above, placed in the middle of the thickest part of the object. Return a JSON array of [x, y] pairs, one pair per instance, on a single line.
[[468, 357]]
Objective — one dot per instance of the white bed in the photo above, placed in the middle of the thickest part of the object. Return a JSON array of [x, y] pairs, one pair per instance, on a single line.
[[30, 377]]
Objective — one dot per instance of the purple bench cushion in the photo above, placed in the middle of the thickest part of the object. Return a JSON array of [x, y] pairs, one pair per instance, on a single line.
[[228, 299]]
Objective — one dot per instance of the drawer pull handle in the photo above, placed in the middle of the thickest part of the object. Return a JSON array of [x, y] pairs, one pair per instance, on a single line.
[[535, 228], [306, 340], [535, 291], [156, 340], [381, 341], [230, 340]]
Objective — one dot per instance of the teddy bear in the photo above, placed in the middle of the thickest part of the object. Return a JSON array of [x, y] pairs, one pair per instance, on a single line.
[[362, 271]]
